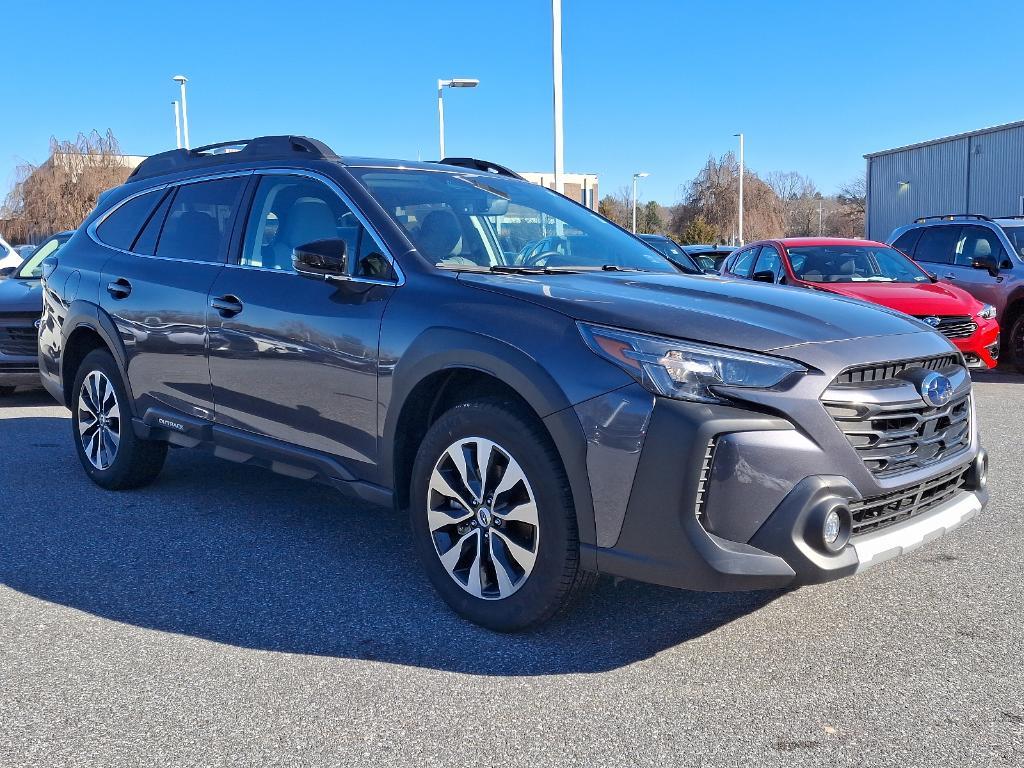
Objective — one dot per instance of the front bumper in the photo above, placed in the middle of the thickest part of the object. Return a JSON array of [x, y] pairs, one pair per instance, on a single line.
[[745, 514], [981, 349]]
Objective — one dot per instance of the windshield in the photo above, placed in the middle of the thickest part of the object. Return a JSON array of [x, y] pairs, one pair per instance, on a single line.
[[33, 266], [854, 264], [1016, 236], [468, 221], [678, 256]]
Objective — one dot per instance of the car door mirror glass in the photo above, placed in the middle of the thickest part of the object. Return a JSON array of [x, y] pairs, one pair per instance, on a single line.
[[321, 259]]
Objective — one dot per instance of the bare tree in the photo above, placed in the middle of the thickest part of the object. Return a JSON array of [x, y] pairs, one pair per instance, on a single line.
[[60, 193]]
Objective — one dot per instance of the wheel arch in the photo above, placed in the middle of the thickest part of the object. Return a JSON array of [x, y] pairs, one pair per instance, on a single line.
[[87, 328]]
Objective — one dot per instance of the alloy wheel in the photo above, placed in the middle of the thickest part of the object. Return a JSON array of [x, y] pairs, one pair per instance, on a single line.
[[99, 420], [482, 516]]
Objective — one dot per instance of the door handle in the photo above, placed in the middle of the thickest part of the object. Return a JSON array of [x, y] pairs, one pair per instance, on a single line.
[[949, 276], [119, 288], [228, 306]]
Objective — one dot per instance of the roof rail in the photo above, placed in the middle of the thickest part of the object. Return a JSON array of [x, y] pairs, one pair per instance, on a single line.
[[479, 165], [952, 217], [231, 151]]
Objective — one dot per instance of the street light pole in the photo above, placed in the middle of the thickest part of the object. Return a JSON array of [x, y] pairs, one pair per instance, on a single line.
[[177, 124], [741, 187], [456, 82], [636, 176], [556, 69], [181, 80]]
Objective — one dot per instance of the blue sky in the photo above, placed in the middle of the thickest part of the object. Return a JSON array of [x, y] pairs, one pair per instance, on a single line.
[[649, 85]]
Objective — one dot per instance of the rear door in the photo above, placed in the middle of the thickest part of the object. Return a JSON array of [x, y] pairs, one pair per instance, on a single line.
[[740, 265], [293, 358], [156, 284]]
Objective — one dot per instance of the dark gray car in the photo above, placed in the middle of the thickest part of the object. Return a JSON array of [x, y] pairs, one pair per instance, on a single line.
[[375, 325]]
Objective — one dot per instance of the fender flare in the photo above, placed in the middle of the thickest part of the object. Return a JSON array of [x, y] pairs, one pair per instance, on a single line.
[[84, 314], [441, 348]]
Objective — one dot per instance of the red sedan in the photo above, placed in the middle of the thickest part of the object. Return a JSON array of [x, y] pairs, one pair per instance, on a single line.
[[878, 273]]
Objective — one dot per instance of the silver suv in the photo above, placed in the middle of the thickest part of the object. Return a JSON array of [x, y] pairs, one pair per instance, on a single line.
[[983, 256]]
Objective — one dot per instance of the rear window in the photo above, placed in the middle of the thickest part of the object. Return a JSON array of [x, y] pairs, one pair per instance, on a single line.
[[907, 241], [121, 227], [199, 221]]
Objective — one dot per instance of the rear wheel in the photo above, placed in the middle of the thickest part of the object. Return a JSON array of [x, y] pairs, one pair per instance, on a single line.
[[111, 454], [493, 518]]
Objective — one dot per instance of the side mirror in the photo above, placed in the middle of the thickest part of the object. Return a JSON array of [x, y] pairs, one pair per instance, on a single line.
[[764, 276], [7, 271], [321, 259], [986, 262]]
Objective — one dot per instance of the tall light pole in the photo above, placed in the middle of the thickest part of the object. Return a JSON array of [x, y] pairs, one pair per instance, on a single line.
[[177, 124], [741, 186], [556, 71], [640, 175], [457, 82], [181, 80]]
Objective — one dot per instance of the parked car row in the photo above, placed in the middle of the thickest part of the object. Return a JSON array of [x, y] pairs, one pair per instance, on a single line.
[[545, 394]]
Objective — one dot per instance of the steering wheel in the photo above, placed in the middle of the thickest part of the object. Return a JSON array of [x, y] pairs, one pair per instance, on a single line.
[[540, 259]]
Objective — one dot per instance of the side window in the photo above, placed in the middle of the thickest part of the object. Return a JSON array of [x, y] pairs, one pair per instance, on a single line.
[[145, 243], [199, 220], [978, 242], [938, 244], [907, 241], [743, 262], [288, 211], [120, 228], [769, 261]]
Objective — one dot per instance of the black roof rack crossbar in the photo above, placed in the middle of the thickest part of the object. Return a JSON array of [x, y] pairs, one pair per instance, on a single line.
[[479, 165], [953, 217], [248, 149]]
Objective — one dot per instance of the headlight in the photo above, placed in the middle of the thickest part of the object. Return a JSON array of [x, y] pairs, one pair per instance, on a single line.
[[987, 312], [682, 369]]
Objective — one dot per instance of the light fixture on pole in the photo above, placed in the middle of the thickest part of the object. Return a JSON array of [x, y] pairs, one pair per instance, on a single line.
[[636, 176], [177, 124], [181, 80], [556, 72], [741, 187], [456, 82]]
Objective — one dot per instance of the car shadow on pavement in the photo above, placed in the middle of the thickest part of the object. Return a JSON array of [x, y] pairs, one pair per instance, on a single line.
[[235, 555]]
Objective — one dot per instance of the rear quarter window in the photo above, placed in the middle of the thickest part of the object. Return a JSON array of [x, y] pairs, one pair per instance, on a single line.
[[907, 242], [121, 227]]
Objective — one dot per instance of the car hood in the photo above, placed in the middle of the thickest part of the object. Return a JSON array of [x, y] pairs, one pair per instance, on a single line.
[[734, 313], [912, 298], [21, 296]]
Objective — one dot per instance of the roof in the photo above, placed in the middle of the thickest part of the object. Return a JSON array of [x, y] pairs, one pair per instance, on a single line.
[[943, 140], [812, 241]]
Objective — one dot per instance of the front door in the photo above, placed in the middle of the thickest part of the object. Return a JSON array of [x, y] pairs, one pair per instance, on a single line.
[[294, 358], [975, 242], [156, 289]]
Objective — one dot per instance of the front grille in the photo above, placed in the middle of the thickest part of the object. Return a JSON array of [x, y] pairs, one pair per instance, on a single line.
[[18, 336], [897, 437], [884, 371], [954, 326], [898, 506]]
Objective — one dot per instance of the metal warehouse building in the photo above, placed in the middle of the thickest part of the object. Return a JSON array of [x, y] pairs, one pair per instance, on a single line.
[[977, 172]]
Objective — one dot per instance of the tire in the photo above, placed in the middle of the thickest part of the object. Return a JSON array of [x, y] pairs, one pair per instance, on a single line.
[[111, 454], [506, 570], [7, 390], [1016, 343]]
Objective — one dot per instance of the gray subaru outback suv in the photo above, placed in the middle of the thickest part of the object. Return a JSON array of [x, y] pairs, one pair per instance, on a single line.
[[388, 328], [982, 255]]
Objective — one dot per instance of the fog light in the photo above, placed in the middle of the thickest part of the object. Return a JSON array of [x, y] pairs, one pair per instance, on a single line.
[[832, 528]]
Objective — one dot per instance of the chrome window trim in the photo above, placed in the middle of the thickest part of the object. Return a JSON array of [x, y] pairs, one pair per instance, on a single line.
[[357, 212], [91, 229]]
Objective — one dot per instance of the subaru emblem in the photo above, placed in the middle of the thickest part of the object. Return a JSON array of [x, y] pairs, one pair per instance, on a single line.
[[37, 323], [936, 389], [933, 321]]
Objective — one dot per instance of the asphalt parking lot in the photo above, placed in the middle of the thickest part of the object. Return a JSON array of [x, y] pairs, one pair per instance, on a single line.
[[226, 617]]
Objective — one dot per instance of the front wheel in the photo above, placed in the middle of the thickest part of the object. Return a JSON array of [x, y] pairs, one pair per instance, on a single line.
[[1017, 342], [493, 518]]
